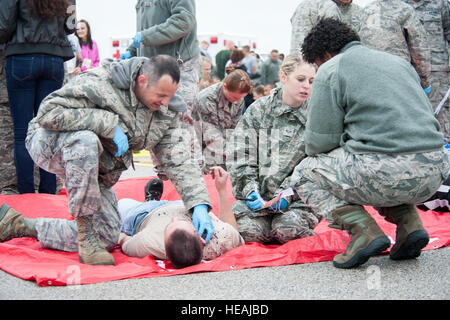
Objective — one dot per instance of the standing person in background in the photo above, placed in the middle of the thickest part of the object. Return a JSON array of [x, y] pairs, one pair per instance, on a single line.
[[8, 180], [350, 13], [72, 66], [393, 26], [306, 15], [35, 33], [220, 108], [435, 17], [170, 28], [89, 49], [235, 61], [250, 62], [222, 57], [270, 69], [204, 45]]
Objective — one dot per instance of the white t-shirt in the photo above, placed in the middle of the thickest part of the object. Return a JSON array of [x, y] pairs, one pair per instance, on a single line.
[[149, 238]]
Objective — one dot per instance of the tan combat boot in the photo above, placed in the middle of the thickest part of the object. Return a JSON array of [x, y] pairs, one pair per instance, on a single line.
[[90, 250], [411, 237], [367, 239], [14, 225]]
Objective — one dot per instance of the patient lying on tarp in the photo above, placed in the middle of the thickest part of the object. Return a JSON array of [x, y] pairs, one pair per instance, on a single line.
[[165, 229]]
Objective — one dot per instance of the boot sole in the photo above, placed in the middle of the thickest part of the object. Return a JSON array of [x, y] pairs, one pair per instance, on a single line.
[[3, 210], [109, 263], [375, 247], [412, 248]]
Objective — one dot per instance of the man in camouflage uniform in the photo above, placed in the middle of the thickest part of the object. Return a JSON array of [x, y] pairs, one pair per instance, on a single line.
[[8, 180], [170, 27], [306, 15], [262, 152], [393, 26], [86, 133], [350, 12], [360, 147], [435, 17]]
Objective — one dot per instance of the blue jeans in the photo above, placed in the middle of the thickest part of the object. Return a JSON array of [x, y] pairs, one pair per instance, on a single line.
[[132, 213], [29, 79]]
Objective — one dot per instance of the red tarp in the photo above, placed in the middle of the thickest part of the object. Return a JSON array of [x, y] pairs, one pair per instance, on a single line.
[[24, 257]]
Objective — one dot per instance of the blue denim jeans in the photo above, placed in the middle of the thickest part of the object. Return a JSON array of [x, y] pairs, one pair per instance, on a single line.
[[29, 79], [132, 213]]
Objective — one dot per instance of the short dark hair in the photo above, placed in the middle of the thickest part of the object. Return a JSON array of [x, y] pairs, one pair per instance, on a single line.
[[157, 66], [184, 249], [328, 35]]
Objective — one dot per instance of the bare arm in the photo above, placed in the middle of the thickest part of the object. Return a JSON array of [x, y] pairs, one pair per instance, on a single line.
[[220, 177]]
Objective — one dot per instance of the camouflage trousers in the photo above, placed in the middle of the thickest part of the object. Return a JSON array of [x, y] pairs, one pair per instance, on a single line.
[[329, 181], [439, 87], [267, 226], [74, 158], [188, 89], [8, 180], [62, 234]]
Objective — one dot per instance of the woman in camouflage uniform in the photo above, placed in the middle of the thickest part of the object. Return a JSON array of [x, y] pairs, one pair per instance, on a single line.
[[220, 108], [264, 149]]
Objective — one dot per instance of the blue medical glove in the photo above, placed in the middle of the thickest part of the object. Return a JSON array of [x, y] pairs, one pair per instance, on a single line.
[[126, 55], [137, 40], [427, 90], [280, 205], [121, 140], [256, 203], [202, 221]]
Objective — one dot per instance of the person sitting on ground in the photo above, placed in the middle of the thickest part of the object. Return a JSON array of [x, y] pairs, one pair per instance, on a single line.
[[371, 139], [164, 228]]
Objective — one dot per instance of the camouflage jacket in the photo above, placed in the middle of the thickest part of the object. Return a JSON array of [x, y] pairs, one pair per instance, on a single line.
[[218, 118], [96, 100], [265, 146], [394, 27], [351, 14], [306, 15], [435, 16]]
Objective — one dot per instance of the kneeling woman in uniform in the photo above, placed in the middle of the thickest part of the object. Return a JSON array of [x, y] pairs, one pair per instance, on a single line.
[[264, 149]]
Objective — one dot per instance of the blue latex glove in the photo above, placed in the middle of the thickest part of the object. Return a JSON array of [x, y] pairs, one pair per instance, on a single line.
[[256, 203], [280, 205], [427, 90], [137, 40], [126, 55], [202, 221], [121, 140]]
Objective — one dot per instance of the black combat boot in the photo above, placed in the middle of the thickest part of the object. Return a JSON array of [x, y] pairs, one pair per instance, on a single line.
[[154, 189]]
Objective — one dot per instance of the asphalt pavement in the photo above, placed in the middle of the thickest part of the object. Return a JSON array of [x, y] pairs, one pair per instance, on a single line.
[[424, 278]]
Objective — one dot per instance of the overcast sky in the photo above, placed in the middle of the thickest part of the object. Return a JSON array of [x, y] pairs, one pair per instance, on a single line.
[[267, 20]]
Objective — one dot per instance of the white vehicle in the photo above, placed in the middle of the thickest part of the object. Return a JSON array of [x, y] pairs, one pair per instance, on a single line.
[[118, 45], [217, 41]]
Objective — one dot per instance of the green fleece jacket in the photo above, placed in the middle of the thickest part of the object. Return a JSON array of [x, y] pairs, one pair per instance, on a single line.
[[167, 27], [368, 101]]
